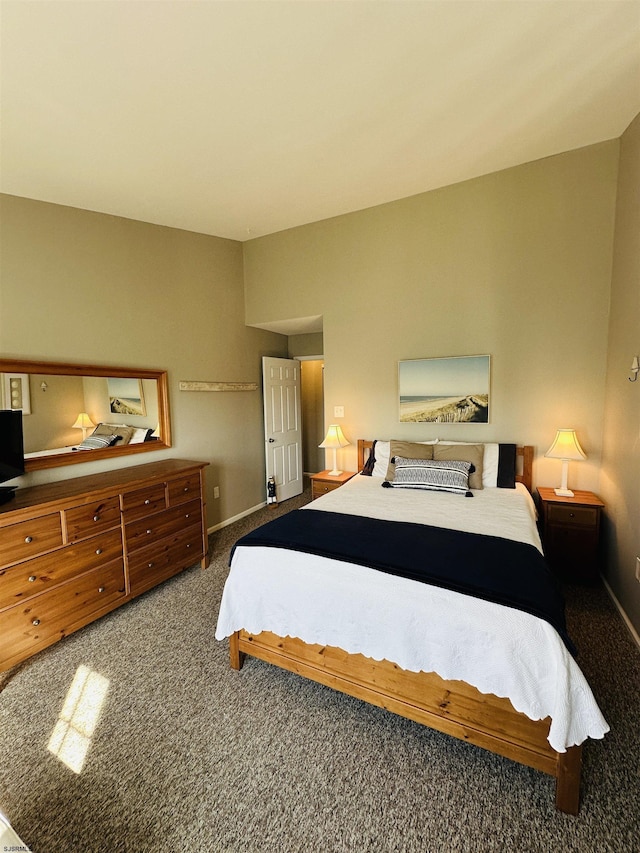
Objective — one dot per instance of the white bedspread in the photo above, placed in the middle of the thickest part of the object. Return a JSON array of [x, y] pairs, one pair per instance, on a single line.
[[495, 648]]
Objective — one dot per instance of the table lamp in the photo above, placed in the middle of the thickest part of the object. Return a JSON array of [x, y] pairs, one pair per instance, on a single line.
[[565, 446], [332, 441], [83, 422]]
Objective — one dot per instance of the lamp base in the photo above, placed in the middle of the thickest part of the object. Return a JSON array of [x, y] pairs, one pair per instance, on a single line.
[[564, 493], [334, 473]]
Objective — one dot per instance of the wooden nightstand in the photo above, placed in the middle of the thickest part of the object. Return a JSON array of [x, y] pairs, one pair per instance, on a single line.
[[324, 482], [571, 533]]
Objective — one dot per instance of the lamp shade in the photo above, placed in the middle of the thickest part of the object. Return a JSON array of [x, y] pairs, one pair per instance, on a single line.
[[83, 422], [566, 447], [332, 441], [334, 438]]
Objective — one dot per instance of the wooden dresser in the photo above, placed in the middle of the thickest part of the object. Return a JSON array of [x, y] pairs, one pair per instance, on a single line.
[[74, 550]]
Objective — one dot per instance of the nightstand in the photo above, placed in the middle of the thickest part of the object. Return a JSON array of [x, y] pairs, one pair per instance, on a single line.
[[324, 482], [571, 533]]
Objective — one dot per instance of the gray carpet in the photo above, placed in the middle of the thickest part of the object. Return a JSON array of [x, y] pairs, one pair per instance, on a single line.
[[189, 755]]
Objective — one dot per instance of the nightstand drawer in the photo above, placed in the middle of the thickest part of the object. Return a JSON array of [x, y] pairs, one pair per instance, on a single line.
[[578, 516], [325, 482], [320, 489]]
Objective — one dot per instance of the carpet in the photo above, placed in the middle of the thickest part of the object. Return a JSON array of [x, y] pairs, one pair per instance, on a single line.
[[185, 754]]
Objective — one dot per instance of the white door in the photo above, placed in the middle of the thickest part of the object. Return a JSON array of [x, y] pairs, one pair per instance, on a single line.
[[282, 425]]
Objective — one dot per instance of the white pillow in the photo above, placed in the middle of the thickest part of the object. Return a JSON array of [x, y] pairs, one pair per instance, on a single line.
[[382, 456], [139, 435], [489, 461]]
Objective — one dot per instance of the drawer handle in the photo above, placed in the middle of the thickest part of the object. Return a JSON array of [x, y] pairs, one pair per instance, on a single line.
[[186, 515], [98, 550], [186, 489], [571, 515], [149, 565], [96, 518], [189, 545], [35, 622], [149, 531], [32, 578], [28, 539], [100, 589], [147, 502]]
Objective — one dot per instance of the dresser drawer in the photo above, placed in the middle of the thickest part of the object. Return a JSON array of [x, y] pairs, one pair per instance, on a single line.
[[149, 566], [30, 538], [92, 518], [184, 489], [139, 534], [50, 616], [143, 502], [42, 573], [580, 516]]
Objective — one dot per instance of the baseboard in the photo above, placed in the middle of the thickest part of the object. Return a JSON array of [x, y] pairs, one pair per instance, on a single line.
[[240, 515], [634, 634]]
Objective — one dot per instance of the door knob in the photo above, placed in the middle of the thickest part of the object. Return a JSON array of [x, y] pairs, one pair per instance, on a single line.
[[271, 440]]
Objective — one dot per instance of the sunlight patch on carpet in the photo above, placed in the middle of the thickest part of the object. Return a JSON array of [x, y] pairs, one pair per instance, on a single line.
[[72, 734]]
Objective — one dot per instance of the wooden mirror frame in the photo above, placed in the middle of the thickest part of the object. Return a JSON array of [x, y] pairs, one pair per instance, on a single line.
[[35, 463]]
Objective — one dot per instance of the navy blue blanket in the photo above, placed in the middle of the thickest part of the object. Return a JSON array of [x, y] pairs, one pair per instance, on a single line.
[[488, 567]]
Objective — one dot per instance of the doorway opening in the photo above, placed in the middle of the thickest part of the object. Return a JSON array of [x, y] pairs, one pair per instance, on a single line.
[[312, 398]]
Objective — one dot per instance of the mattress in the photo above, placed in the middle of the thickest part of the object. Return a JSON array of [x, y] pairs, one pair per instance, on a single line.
[[495, 648]]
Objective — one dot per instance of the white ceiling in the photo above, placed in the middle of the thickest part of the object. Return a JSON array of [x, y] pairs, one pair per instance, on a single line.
[[243, 118]]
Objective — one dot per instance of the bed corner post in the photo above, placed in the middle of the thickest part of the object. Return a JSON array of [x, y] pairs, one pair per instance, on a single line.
[[568, 780], [235, 655]]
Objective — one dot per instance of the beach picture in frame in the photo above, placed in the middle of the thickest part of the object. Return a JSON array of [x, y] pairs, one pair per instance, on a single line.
[[445, 390], [126, 396]]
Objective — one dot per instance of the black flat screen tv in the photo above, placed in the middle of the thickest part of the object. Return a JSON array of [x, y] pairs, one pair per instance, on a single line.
[[11, 451]]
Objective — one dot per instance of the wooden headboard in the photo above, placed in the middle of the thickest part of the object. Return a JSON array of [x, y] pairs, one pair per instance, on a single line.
[[524, 453]]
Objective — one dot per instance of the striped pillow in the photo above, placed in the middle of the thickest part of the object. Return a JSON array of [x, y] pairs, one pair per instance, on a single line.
[[434, 475], [95, 442]]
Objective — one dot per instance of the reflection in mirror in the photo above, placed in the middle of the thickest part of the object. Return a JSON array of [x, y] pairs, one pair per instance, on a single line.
[[70, 409]]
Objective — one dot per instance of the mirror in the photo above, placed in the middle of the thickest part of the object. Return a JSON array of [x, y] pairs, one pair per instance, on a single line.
[[56, 398]]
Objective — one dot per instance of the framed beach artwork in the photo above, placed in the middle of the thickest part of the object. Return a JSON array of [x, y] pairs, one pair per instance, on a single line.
[[445, 390], [125, 396]]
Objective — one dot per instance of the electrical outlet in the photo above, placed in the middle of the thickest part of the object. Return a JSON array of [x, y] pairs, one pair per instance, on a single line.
[[216, 491], [338, 411], [638, 569]]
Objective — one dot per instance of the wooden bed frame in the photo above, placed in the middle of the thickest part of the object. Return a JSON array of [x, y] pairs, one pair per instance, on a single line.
[[452, 707]]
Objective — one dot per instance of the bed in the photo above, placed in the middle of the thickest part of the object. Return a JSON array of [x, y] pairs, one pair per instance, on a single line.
[[433, 654], [103, 436]]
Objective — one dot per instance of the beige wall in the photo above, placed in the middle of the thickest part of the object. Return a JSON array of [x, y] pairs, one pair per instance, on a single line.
[[85, 287], [516, 264], [53, 412], [306, 345], [620, 482]]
